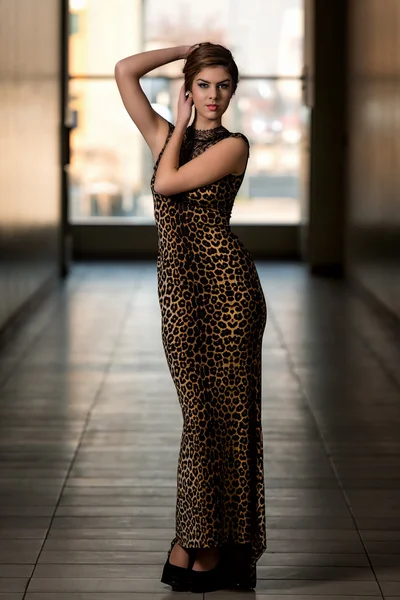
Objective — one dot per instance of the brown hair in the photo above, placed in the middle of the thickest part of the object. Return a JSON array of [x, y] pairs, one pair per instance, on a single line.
[[209, 55]]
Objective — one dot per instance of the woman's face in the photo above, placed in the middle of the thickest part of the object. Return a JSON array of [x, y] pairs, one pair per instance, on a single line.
[[212, 86]]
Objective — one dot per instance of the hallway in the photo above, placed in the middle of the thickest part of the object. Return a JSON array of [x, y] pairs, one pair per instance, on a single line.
[[90, 427]]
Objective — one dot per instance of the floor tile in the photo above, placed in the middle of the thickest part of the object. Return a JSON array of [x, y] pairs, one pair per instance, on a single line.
[[13, 584], [310, 573], [110, 596], [68, 585], [390, 588], [311, 559], [16, 570], [228, 595]]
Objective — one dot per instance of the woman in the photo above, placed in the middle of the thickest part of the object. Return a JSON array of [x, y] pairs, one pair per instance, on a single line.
[[213, 315]]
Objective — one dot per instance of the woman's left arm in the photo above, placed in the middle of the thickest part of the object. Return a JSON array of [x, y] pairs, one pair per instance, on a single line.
[[216, 162]]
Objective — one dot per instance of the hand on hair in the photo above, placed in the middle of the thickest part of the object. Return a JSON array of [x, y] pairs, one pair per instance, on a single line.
[[186, 50], [185, 104]]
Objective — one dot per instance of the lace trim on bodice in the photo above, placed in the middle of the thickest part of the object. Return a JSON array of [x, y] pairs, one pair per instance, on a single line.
[[198, 140], [205, 134]]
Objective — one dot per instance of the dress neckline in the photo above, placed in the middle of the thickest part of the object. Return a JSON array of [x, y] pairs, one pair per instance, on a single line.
[[206, 134]]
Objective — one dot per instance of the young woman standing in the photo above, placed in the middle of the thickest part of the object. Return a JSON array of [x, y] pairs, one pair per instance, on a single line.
[[213, 315]]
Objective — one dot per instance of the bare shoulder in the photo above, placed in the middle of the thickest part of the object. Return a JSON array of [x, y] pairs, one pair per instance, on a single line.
[[242, 146], [235, 141], [232, 150], [240, 136]]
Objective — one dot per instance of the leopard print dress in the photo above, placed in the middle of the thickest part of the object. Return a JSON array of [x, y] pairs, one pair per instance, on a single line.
[[213, 316]]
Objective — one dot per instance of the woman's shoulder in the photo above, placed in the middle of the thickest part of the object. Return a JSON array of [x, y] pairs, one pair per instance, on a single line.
[[239, 134]]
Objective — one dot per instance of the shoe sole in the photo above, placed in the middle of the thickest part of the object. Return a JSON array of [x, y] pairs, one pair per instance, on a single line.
[[175, 585]]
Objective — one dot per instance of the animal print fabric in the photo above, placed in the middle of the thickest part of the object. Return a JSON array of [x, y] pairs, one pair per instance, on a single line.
[[213, 316]]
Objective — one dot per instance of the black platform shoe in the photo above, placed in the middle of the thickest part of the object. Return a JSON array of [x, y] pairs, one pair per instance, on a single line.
[[242, 570], [244, 579], [179, 578], [212, 580]]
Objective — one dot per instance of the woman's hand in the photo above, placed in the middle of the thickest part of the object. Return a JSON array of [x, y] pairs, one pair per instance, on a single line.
[[185, 104], [186, 50]]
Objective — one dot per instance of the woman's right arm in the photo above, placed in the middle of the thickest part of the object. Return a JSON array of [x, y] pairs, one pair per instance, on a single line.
[[128, 71]]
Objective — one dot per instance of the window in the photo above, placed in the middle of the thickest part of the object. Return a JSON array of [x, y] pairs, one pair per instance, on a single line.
[[111, 165]]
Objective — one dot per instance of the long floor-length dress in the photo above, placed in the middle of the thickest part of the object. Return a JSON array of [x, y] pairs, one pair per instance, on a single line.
[[213, 316]]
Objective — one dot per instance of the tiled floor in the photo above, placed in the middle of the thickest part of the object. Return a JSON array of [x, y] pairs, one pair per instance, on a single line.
[[90, 427]]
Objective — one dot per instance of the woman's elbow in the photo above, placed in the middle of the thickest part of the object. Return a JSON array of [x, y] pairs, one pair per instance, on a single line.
[[118, 66], [122, 68], [118, 70], [162, 187]]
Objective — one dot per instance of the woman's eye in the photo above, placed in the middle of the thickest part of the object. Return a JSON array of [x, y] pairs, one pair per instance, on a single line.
[[224, 85]]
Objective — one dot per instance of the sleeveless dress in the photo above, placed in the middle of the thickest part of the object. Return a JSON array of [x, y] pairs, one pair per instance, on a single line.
[[213, 316]]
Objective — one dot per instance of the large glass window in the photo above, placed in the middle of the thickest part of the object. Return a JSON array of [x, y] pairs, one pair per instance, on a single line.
[[111, 165]]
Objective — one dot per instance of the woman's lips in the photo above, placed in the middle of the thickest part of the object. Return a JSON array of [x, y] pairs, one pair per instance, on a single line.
[[212, 106]]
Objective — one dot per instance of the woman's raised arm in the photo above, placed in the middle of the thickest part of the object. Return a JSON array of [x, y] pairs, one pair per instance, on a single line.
[[128, 71]]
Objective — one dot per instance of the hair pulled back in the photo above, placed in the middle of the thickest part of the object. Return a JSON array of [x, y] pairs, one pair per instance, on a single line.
[[206, 55]]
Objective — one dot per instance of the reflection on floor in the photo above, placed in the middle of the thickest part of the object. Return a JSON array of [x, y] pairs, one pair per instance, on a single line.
[[90, 427]]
